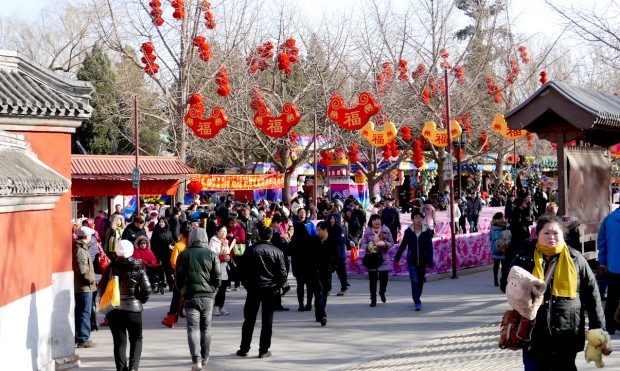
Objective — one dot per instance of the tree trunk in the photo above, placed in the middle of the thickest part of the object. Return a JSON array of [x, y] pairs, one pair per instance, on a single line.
[[286, 191], [372, 183]]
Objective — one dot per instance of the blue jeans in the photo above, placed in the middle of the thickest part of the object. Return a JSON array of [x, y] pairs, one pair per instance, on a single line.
[[83, 307], [198, 315], [416, 275]]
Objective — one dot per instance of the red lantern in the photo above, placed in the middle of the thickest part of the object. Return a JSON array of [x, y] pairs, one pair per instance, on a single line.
[[353, 151], [221, 79], [194, 187], [543, 77], [406, 133], [352, 118]]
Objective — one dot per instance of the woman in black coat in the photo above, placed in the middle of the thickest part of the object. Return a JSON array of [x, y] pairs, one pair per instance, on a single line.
[[126, 319], [161, 244], [559, 333]]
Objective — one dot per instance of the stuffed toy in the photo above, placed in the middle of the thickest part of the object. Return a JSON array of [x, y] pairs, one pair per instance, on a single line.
[[524, 292], [598, 340]]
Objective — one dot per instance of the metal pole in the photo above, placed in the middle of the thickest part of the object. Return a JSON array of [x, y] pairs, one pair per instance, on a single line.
[[316, 172], [451, 201], [514, 164], [135, 117], [458, 165]]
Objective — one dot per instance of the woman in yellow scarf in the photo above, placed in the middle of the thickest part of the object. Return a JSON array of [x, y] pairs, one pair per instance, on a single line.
[[559, 333]]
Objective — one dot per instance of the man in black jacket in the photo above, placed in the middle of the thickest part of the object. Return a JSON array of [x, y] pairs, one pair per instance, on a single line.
[[263, 274], [390, 217], [134, 230], [198, 277], [250, 225], [174, 223]]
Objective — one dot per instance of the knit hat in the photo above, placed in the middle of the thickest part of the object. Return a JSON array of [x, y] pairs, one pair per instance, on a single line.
[[84, 231], [124, 249], [570, 222]]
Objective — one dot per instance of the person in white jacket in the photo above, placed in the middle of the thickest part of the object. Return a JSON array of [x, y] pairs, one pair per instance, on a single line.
[[219, 245], [457, 215]]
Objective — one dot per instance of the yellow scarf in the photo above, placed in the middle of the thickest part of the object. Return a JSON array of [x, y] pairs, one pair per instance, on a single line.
[[565, 276]]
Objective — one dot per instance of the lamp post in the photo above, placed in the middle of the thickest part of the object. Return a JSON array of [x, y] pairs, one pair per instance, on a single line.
[[451, 180]]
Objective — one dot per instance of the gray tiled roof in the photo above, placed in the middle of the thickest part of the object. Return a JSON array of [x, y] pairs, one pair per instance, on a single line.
[[21, 173], [30, 90]]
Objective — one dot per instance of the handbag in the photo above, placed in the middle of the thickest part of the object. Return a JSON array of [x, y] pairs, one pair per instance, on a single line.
[[239, 249], [355, 254], [372, 260], [102, 262], [111, 298], [516, 331]]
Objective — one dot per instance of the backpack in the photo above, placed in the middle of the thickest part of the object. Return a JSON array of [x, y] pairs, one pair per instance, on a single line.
[[504, 240]]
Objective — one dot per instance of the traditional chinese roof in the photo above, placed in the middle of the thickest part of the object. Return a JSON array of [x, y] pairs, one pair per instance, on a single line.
[[559, 111], [22, 174], [28, 89], [120, 167]]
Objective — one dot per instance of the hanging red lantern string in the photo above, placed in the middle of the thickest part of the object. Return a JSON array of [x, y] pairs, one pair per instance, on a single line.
[[417, 156], [258, 60], [405, 133], [179, 9], [419, 71], [529, 137], [194, 187], [203, 47], [514, 73], [459, 73], [209, 19], [445, 64], [289, 55], [458, 153], [543, 77], [257, 99], [524, 58], [149, 58], [432, 86], [484, 141], [493, 90], [425, 97], [402, 70], [352, 154], [221, 79], [156, 12]]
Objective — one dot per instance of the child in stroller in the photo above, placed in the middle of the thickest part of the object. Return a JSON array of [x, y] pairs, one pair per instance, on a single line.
[[154, 268]]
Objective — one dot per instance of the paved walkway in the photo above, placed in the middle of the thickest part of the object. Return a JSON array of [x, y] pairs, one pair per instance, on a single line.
[[457, 329]]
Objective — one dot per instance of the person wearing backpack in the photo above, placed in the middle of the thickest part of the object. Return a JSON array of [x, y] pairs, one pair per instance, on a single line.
[[498, 225]]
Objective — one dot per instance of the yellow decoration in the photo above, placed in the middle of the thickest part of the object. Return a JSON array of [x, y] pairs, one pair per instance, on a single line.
[[500, 126], [379, 138], [439, 138]]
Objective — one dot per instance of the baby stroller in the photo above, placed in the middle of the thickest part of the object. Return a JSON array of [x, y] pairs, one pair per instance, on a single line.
[[157, 277]]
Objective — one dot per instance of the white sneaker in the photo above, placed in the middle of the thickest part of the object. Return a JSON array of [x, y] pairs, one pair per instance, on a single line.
[[205, 361], [196, 367], [216, 312], [223, 312]]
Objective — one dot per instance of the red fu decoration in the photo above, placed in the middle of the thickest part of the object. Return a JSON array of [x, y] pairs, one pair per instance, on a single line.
[[204, 128], [276, 127], [352, 118]]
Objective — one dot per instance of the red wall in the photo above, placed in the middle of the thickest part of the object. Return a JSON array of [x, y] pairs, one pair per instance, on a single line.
[[37, 243]]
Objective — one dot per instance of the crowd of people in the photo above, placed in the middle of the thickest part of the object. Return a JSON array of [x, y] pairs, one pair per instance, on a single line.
[[201, 252]]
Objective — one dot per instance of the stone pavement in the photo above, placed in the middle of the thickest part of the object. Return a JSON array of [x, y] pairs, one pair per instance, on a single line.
[[457, 329]]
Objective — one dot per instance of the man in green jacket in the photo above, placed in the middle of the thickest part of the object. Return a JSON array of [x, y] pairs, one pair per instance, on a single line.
[[84, 283], [198, 277]]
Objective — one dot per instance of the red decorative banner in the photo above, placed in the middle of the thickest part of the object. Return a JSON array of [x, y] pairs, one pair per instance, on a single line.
[[500, 126], [240, 182], [439, 138], [379, 138], [352, 118], [277, 127], [205, 128]]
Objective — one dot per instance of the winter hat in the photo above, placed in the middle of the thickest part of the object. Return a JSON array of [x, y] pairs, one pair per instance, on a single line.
[[570, 222], [524, 292], [124, 249], [84, 231]]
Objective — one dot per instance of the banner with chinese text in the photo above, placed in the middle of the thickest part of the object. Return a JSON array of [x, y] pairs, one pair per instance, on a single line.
[[240, 182]]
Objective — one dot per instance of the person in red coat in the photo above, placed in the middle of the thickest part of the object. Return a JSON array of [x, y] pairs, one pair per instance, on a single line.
[[144, 253]]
